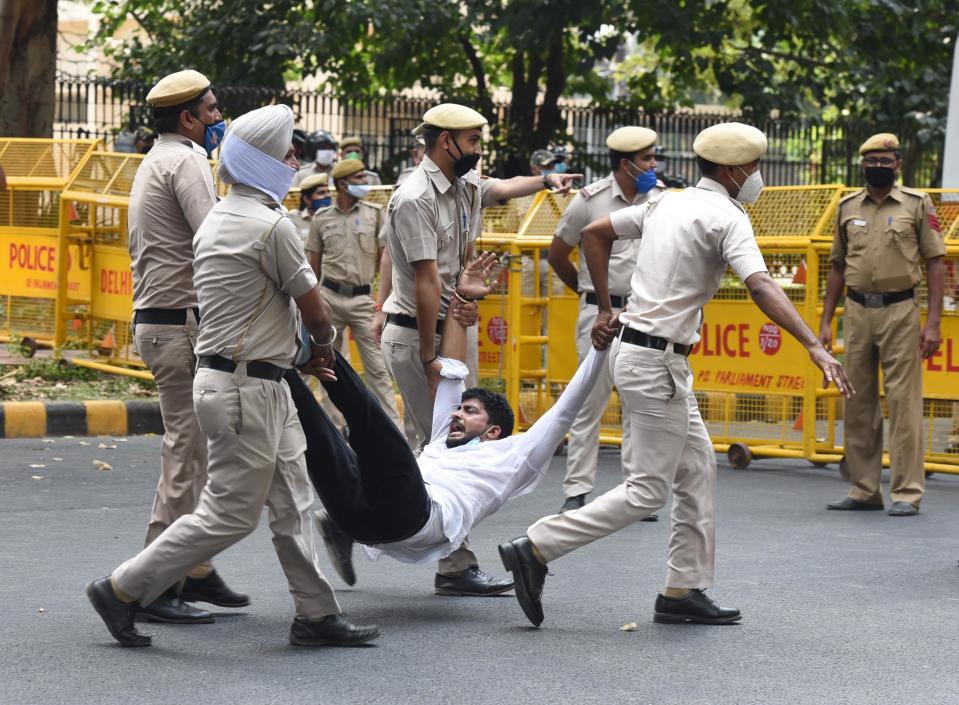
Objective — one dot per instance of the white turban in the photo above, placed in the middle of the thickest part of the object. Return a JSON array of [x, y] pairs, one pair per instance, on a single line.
[[254, 149]]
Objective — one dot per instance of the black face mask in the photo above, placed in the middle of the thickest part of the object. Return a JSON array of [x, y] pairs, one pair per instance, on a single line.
[[465, 163], [880, 176]]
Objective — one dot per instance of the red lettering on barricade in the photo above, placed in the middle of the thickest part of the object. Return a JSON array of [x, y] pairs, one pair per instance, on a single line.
[[946, 358], [32, 257], [116, 282]]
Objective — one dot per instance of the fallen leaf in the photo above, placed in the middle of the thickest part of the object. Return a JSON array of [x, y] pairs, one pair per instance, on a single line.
[[37, 465], [49, 440], [628, 627], [41, 610], [59, 460], [37, 477], [100, 465], [84, 443], [120, 440], [108, 447], [69, 436]]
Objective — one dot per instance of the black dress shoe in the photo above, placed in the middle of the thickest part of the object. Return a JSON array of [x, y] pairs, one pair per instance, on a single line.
[[572, 503], [651, 517], [696, 608], [903, 509], [333, 630], [528, 574], [168, 608], [853, 505], [472, 582], [339, 547], [213, 590], [118, 616]]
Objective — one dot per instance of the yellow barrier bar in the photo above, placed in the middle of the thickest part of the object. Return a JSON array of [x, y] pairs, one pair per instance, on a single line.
[[112, 369]]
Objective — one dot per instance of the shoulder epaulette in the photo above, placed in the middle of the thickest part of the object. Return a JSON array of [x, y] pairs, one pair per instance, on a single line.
[[596, 187]]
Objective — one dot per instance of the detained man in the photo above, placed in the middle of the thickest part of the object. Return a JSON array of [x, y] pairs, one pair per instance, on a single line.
[[417, 510]]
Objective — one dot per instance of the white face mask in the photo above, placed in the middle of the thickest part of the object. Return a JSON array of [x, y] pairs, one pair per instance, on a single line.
[[358, 190], [751, 187], [325, 157]]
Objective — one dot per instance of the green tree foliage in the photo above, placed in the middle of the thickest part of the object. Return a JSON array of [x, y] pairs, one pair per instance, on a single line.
[[884, 61]]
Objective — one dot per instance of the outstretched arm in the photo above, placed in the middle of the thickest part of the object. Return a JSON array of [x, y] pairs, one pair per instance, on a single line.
[[519, 186]]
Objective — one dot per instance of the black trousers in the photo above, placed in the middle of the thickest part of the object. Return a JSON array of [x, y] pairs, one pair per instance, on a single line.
[[371, 488]]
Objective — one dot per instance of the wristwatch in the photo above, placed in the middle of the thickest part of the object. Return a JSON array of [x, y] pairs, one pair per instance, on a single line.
[[546, 182]]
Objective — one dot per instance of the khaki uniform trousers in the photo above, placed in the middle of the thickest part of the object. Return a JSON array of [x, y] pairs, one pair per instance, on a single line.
[[583, 449], [672, 449], [168, 350], [256, 449], [401, 349], [887, 336], [356, 312]]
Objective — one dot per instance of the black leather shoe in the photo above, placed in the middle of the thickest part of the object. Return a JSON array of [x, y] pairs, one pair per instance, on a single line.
[[528, 574], [333, 630], [472, 582], [651, 517], [853, 505], [118, 616], [213, 590], [573, 503], [695, 608], [903, 509], [339, 547], [169, 608]]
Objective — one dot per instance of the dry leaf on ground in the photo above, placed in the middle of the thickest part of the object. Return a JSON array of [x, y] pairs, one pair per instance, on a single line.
[[100, 465]]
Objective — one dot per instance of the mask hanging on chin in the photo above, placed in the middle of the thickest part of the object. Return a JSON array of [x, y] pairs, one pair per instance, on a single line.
[[465, 163], [750, 189]]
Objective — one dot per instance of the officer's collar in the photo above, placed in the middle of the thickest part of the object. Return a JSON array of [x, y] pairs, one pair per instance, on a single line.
[[254, 193], [894, 193], [177, 138], [712, 185], [436, 175]]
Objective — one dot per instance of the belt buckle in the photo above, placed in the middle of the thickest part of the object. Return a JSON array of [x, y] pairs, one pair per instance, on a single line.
[[873, 300]]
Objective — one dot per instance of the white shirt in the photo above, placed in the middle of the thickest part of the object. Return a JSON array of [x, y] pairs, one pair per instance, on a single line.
[[470, 482], [688, 240]]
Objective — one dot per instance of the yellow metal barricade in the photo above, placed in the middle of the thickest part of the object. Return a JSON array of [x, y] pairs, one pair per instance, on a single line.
[[37, 171]]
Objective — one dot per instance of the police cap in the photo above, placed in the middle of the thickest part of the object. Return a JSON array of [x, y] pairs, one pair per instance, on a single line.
[[346, 168], [178, 88], [450, 116], [631, 139], [883, 142], [730, 144]]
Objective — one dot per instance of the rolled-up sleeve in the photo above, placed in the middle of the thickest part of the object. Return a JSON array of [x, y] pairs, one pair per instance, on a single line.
[[415, 226], [740, 250], [284, 261], [574, 219], [487, 196], [628, 222]]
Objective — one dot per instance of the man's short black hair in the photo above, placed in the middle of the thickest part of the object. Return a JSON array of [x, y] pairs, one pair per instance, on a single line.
[[166, 119], [706, 167], [431, 134], [616, 157], [497, 408]]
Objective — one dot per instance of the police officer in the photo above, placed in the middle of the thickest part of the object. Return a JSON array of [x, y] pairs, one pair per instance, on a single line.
[[172, 193], [344, 249], [352, 148], [689, 238], [324, 145], [314, 195], [883, 235], [251, 279], [541, 161], [633, 180], [433, 218]]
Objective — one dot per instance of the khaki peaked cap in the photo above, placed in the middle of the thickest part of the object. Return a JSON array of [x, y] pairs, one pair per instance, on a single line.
[[346, 168], [312, 181], [450, 116], [883, 142], [350, 141], [177, 88], [631, 139], [730, 144]]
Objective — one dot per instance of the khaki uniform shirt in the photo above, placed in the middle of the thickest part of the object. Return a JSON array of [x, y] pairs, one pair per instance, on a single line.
[[430, 218], [882, 244], [688, 240], [249, 266], [598, 199], [301, 219], [309, 170], [348, 242], [171, 195]]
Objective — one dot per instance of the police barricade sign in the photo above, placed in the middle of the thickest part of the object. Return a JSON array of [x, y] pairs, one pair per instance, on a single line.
[[29, 268]]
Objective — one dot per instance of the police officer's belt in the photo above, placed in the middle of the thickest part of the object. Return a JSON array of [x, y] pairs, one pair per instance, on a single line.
[[347, 289], [637, 337], [163, 316], [616, 301], [401, 319], [870, 300], [254, 368]]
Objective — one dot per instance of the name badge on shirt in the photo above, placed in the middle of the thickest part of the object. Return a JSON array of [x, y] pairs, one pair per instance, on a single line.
[[857, 221]]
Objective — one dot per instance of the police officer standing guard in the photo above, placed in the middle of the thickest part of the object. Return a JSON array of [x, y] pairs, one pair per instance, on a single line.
[[344, 249], [633, 179], [251, 279], [883, 234], [352, 148], [171, 195], [314, 195], [434, 217]]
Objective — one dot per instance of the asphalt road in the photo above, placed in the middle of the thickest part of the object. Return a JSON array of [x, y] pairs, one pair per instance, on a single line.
[[838, 608]]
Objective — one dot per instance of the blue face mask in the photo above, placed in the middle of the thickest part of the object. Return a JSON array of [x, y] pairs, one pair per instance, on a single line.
[[318, 203], [476, 441], [213, 135], [645, 180], [560, 168]]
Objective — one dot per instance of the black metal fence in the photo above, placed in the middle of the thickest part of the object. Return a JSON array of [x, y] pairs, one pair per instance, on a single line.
[[800, 153]]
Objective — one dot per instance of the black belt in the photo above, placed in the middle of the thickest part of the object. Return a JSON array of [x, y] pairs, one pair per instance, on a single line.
[[401, 319], [637, 337], [616, 301], [870, 300], [164, 316], [254, 368], [348, 289]]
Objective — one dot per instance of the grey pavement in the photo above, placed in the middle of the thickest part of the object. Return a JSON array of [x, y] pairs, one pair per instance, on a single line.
[[838, 607]]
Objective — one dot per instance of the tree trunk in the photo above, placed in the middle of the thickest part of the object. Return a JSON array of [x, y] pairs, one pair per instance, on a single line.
[[28, 52]]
